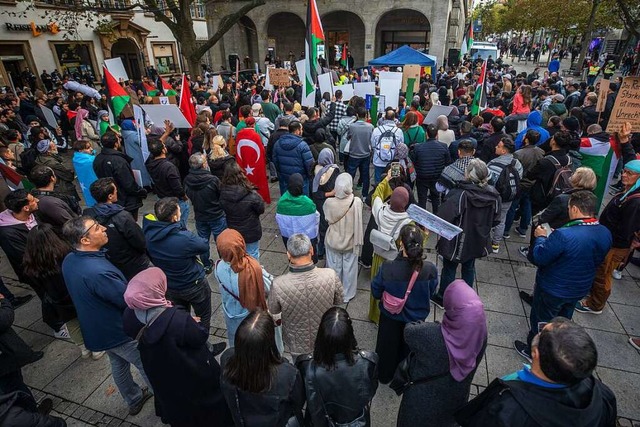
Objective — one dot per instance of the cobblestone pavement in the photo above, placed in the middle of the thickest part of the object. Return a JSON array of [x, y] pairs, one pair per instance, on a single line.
[[84, 392]]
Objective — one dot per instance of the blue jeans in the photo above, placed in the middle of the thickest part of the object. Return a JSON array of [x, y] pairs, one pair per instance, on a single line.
[[361, 165], [121, 358], [253, 249], [205, 229], [545, 307], [184, 212], [522, 201], [448, 273], [377, 174]]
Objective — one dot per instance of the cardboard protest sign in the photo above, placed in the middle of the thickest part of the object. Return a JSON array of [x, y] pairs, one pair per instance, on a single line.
[[159, 113], [279, 77], [627, 106], [116, 68], [164, 100], [602, 95]]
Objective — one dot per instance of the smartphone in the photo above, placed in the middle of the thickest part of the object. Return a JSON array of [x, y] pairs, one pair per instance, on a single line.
[[395, 169]]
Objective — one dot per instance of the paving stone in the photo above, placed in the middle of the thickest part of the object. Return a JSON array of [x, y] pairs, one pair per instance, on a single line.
[[491, 272], [74, 422], [71, 408], [276, 263], [87, 415], [57, 356], [525, 276], [502, 361], [618, 353], [629, 316], [625, 386], [503, 299], [107, 399], [480, 377], [358, 307], [625, 292], [62, 407], [35, 340], [27, 314], [504, 327], [623, 422], [80, 379], [607, 321]]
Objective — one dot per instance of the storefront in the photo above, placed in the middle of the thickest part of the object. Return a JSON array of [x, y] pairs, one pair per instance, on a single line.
[[15, 61]]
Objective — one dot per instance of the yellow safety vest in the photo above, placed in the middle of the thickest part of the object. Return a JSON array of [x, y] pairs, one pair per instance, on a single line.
[[593, 70]]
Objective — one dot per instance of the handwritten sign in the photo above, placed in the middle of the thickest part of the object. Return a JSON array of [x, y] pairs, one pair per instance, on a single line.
[[410, 72], [433, 223], [279, 77], [627, 106], [602, 95]]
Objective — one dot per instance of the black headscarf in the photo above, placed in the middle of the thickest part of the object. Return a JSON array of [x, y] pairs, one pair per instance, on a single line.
[[296, 183]]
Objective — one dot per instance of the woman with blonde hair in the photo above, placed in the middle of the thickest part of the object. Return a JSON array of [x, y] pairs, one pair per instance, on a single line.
[[219, 157]]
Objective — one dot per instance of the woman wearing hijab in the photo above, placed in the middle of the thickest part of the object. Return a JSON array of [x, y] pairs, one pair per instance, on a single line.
[[133, 149], [324, 181], [390, 217], [402, 157], [450, 351], [103, 122], [296, 213], [184, 374], [344, 239], [241, 282], [445, 134], [85, 130]]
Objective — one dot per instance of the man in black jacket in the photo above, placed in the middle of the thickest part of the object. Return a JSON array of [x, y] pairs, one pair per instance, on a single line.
[[430, 158], [203, 189], [487, 150], [126, 248], [112, 163], [557, 389], [315, 122], [15, 223], [166, 177], [53, 208]]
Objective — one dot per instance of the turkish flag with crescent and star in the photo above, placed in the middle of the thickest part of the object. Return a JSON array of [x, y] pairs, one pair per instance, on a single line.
[[251, 158]]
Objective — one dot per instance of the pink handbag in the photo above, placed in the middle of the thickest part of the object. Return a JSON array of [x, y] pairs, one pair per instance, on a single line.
[[394, 305]]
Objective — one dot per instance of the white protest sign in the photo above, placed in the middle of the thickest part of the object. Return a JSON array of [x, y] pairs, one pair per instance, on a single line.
[[347, 91], [325, 83], [307, 101], [116, 68], [51, 118], [433, 223], [159, 113], [364, 89], [390, 83], [434, 112]]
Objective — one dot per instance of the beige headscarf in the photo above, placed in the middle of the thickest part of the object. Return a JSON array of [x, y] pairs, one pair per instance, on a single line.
[[344, 212]]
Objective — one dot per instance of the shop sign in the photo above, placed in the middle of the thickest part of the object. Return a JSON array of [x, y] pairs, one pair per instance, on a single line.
[[36, 30]]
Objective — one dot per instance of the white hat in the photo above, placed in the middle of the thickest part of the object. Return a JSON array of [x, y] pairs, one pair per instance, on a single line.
[[507, 76]]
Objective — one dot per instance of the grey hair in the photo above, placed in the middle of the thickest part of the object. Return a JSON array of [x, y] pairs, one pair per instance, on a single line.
[[74, 229], [298, 245], [442, 122], [197, 161], [477, 172]]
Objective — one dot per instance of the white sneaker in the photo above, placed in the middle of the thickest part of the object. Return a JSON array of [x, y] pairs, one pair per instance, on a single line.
[[85, 353], [62, 334], [617, 274], [95, 355]]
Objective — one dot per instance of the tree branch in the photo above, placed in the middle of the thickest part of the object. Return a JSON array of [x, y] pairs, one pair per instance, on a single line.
[[159, 14], [630, 22], [226, 23]]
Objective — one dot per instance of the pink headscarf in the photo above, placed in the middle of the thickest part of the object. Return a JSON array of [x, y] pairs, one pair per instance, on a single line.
[[464, 328], [82, 114], [147, 290]]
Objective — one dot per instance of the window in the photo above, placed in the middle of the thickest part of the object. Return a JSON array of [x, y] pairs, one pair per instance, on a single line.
[[75, 58], [165, 59], [58, 2], [197, 9]]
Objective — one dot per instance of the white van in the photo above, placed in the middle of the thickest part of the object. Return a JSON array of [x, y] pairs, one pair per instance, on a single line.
[[483, 50]]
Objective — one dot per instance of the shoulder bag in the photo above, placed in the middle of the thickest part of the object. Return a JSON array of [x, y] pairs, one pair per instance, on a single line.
[[384, 244], [395, 305]]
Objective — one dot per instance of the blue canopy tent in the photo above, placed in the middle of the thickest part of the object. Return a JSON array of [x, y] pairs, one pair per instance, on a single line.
[[406, 55]]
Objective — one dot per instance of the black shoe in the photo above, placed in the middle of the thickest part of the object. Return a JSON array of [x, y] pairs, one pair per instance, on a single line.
[[437, 300], [20, 301], [45, 407], [218, 348], [209, 269], [146, 395], [526, 297], [522, 349]]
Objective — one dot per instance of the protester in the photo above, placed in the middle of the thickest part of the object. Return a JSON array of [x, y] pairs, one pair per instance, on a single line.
[[83, 158], [340, 380], [430, 158], [183, 372], [411, 129], [455, 172], [445, 358], [219, 157], [292, 155], [48, 156], [322, 188], [408, 278], [53, 208], [302, 295], [97, 290], [359, 134], [255, 375], [385, 139]]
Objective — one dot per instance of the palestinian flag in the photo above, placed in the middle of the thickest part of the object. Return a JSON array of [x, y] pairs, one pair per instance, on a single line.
[[601, 154], [13, 179], [151, 89], [467, 41], [343, 59], [167, 89], [480, 98], [117, 94], [315, 36]]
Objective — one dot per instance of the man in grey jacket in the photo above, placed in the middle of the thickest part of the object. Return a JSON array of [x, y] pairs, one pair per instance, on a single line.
[[359, 133]]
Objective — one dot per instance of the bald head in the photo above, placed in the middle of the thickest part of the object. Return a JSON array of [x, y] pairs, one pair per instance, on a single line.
[[593, 129]]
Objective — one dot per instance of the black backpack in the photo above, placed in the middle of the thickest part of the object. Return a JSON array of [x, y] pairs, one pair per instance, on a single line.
[[28, 160], [508, 182], [561, 178]]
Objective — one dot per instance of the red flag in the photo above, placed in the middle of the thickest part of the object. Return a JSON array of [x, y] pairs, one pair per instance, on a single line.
[[250, 156], [186, 106], [119, 97]]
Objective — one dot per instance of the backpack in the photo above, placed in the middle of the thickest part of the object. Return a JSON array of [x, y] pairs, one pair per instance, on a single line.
[[28, 160], [386, 144], [561, 178], [508, 182]]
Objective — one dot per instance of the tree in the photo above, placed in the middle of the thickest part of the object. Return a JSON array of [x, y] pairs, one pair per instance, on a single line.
[[175, 14]]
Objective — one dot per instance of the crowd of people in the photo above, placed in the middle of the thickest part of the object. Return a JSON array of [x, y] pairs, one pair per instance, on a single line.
[[136, 287]]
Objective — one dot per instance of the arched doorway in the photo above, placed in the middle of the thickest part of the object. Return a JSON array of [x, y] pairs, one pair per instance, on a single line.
[[249, 42], [402, 27], [130, 54], [286, 32], [343, 27]]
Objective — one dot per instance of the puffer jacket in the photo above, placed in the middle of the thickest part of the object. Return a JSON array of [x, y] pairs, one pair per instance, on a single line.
[[476, 210], [243, 209], [534, 122], [203, 190], [345, 391], [567, 260], [430, 158], [303, 295], [292, 155]]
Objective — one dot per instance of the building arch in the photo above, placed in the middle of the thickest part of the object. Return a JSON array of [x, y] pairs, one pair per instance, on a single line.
[[341, 26], [285, 33], [128, 50], [400, 27]]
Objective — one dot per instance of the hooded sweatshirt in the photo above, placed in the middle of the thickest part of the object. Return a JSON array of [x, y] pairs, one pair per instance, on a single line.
[[166, 178], [203, 190], [534, 122]]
